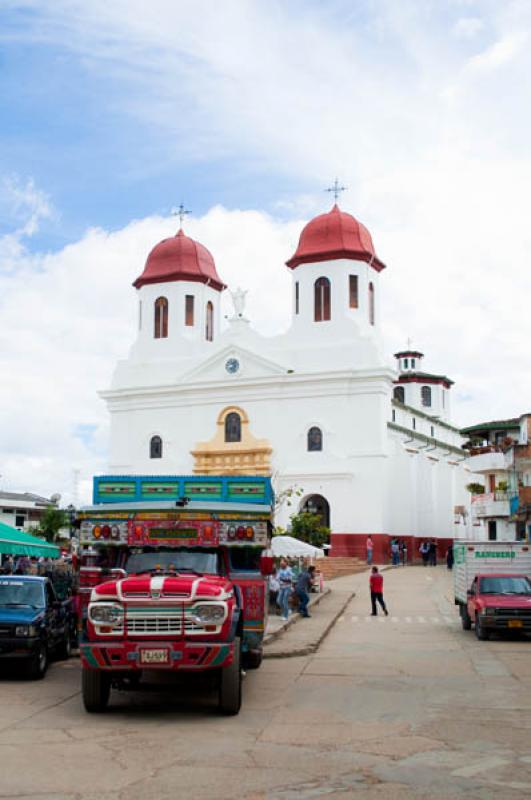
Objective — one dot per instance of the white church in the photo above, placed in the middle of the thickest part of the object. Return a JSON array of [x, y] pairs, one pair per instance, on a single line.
[[320, 407]]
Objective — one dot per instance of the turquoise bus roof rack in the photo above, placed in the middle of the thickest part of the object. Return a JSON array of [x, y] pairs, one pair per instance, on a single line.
[[108, 489]]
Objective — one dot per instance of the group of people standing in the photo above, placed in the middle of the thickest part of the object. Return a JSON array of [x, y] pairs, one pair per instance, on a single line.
[[25, 565], [428, 553], [398, 551], [284, 583]]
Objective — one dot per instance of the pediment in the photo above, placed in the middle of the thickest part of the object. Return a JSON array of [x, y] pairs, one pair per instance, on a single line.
[[234, 363]]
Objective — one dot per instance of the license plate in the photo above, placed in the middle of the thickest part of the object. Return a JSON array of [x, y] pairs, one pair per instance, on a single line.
[[515, 623], [154, 656]]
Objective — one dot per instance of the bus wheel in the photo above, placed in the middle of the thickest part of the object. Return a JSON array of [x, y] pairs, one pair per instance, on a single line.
[[230, 684], [96, 688], [252, 659]]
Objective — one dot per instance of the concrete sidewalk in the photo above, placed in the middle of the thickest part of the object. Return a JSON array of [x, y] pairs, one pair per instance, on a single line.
[[299, 636]]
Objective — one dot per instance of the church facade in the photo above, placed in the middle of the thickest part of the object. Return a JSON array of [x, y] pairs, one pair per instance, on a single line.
[[368, 444]]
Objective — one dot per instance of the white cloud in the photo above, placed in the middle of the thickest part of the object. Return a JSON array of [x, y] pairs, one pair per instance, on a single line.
[[468, 27], [68, 316], [431, 136], [23, 206], [499, 53]]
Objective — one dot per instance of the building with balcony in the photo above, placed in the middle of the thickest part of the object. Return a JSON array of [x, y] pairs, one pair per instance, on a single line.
[[500, 456]]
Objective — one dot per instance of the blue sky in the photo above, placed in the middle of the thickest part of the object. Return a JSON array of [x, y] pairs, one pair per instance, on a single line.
[[115, 112], [77, 115], [68, 124]]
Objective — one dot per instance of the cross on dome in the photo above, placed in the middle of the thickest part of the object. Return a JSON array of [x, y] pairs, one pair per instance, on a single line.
[[180, 212], [336, 189]]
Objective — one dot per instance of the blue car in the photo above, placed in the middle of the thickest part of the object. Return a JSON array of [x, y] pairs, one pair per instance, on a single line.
[[34, 623]]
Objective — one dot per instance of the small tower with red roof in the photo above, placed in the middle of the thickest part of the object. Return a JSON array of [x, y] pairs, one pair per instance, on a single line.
[[179, 297], [335, 275], [420, 389]]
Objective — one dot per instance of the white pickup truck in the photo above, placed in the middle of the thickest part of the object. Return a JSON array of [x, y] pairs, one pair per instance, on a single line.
[[492, 586]]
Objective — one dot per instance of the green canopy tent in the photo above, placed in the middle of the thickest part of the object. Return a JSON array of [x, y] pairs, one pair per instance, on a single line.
[[19, 543]]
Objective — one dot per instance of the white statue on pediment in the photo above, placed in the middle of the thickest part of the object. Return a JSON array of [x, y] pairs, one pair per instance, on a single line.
[[238, 301]]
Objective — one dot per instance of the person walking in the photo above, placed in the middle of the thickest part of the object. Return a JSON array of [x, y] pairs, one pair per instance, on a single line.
[[369, 545], [403, 551], [395, 552], [450, 557], [376, 587], [303, 588], [424, 551], [285, 579], [432, 553]]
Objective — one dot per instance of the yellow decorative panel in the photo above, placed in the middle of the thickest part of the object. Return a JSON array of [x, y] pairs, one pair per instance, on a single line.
[[249, 456]]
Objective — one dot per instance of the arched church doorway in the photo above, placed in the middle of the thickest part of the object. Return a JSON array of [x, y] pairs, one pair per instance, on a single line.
[[317, 504]]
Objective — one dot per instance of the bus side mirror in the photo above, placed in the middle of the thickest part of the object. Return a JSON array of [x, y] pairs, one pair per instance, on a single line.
[[267, 565]]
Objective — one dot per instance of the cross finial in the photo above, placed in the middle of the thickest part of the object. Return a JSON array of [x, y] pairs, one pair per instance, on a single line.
[[336, 189], [180, 212], [409, 343]]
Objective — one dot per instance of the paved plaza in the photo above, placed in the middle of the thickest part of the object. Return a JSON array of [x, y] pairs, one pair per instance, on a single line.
[[408, 706]]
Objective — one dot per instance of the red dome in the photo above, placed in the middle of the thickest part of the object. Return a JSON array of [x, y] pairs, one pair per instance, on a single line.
[[332, 236], [180, 258]]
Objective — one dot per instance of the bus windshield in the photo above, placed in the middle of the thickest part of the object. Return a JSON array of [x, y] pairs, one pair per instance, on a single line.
[[165, 561]]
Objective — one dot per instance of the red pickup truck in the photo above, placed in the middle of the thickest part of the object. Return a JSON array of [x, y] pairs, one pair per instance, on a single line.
[[498, 602]]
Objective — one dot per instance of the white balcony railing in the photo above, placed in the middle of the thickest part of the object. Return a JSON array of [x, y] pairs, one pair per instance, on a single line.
[[487, 462], [494, 504]]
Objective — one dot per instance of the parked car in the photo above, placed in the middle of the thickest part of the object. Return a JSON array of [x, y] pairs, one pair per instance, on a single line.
[[34, 623], [492, 586]]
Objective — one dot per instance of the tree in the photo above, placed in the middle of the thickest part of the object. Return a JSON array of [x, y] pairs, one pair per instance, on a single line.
[[475, 488], [309, 528], [284, 496], [51, 523]]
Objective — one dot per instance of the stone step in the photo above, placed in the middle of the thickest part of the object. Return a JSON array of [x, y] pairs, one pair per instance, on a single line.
[[337, 567]]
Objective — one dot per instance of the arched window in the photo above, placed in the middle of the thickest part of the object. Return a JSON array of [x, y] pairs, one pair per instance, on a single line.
[[233, 427], [209, 322], [315, 439], [189, 310], [399, 394], [353, 291], [161, 318], [317, 504], [371, 303], [425, 394], [155, 447], [322, 300]]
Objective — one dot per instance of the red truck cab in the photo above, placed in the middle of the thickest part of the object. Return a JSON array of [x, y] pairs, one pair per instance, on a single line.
[[498, 602]]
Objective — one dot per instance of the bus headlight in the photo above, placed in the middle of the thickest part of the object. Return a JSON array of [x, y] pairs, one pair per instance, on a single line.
[[209, 614], [106, 614]]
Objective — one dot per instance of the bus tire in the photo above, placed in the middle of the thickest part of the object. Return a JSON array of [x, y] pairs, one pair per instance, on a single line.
[[230, 684], [252, 659], [95, 688]]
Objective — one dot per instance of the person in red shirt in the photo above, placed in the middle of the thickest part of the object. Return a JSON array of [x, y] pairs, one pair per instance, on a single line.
[[376, 586]]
